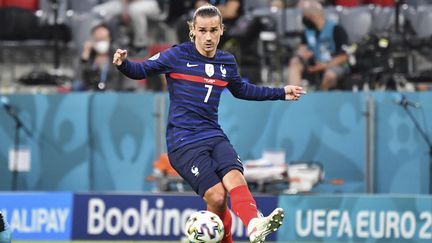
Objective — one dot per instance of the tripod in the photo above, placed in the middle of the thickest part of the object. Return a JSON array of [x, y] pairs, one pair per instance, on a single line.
[[18, 126], [425, 138]]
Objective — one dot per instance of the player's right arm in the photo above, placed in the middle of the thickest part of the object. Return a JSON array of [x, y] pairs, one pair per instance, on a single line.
[[130, 69], [157, 64]]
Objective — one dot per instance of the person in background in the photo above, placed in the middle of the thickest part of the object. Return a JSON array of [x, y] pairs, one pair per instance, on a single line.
[[5, 234], [321, 51], [135, 12], [95, 69], [230, 9]]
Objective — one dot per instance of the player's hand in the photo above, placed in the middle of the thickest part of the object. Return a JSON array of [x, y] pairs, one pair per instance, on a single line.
[[293, 92], [119, 57]]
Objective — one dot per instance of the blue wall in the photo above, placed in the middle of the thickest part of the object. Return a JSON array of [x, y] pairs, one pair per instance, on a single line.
[[107, 141]]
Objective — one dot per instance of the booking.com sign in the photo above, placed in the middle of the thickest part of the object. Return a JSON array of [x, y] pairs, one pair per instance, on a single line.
[[143, 217]]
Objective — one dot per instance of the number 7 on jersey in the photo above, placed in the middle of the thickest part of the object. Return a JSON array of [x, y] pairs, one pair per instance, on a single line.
[[209, 89]]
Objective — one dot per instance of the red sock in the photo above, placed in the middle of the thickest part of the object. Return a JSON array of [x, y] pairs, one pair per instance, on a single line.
[[227, 222], [243, 204]]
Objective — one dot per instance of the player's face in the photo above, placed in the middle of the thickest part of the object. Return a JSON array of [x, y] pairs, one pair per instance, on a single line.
[[207, 32]]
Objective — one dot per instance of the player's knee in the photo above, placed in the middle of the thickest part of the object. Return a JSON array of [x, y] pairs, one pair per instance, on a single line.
[[217, 200]]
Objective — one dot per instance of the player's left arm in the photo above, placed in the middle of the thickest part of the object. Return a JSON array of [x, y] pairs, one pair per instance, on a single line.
[[243, 90], [246, 91]]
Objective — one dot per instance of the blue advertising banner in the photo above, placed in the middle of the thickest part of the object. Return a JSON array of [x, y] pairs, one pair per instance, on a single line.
[[38, 216], [382, 219], [144, 217]]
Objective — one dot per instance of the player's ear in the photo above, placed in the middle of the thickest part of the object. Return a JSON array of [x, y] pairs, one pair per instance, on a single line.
[[191, 30], [191, 35], [222, 29]]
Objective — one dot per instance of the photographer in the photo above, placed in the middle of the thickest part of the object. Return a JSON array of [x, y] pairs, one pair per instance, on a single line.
[[96, 71], [320, 52]]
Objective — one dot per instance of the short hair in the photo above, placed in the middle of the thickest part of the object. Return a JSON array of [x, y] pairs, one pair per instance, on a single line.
[[206, 10], [311, 6], [100, 25]]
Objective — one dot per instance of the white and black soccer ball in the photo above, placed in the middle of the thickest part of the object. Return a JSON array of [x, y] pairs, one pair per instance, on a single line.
[[204, 226]]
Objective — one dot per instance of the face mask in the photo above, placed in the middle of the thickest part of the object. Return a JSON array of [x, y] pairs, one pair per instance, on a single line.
[[308, 23], [101, 47]]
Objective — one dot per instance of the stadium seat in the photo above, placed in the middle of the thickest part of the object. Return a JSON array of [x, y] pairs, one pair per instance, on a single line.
[[357, 22], [289, 27], [251, 5], [383, 19], [289, 21], [421, 21], [347, 3], [418, 3], [333, 12], [82, 6], [381, 3], [46, 11], [26, 4]]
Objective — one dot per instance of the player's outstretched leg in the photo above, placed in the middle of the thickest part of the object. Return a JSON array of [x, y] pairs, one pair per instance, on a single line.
[[244, 206], [259, 228]]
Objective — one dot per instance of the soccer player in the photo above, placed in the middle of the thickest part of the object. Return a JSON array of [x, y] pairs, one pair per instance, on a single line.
[[197, 73], [5, 234]]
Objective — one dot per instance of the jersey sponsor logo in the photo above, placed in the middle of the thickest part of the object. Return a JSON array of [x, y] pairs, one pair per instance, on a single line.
[[209, 69], [223, 71], [198, 79], [195, 170], [191, 65], [155, 56], [210, 80]]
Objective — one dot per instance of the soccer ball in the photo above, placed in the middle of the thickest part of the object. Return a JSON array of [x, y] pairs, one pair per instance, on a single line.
[[204, 226]]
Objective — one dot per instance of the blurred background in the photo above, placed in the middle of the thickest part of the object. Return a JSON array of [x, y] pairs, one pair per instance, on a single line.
[[82, 148]]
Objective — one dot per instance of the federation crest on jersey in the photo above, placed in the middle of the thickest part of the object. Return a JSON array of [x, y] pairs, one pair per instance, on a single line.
[[223, 70], [209, 69]]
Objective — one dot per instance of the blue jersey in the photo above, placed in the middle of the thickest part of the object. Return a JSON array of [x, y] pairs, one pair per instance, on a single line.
[[195, 84]]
